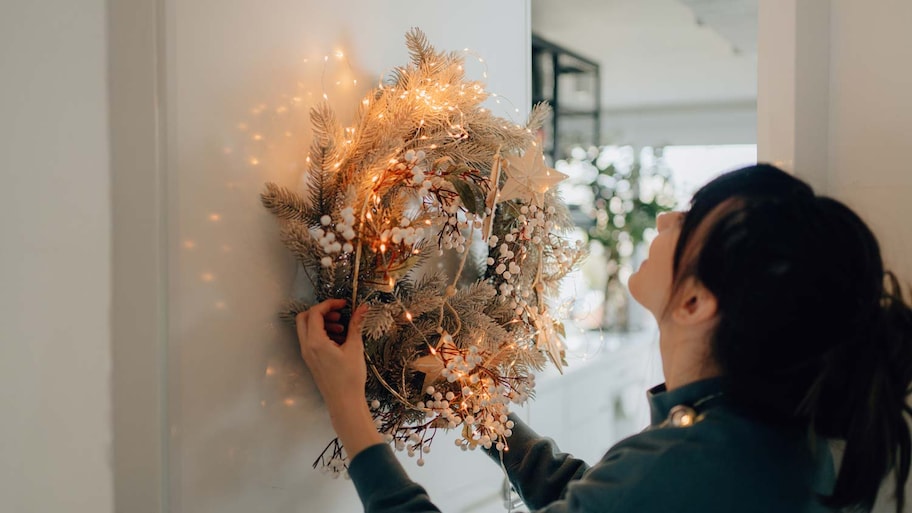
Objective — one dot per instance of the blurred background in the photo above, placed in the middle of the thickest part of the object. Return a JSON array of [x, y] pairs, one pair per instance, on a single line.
[[651, 98]]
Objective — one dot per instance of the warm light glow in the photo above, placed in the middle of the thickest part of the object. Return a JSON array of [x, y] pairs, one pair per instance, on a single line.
[[270, 371], [408, 315], [189, 244], [215, 217], [207, 277], [289, 401], [254, 161], [257, 137]]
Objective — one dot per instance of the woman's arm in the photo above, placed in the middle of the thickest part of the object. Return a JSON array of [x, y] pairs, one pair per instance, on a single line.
[[336, 361], [538, 471]]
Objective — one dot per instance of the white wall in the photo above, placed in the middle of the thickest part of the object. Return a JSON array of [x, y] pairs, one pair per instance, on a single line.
[[870, 111], [244, 417], [834, 107], [55, 263]]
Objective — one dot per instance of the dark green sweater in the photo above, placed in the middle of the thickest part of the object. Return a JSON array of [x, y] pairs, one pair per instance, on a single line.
[[725, 462]]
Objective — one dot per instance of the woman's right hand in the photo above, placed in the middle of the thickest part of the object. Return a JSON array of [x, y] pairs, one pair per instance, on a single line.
[[334, 355]]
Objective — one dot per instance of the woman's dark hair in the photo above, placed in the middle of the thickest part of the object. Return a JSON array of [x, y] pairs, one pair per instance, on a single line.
[[811, 330]]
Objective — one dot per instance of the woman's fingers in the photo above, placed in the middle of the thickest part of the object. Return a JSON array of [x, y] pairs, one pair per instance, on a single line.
[[334, 316], [353, 337], [333, 328], [326, 306]]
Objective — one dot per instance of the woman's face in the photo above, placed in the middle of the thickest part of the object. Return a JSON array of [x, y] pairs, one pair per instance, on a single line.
[[651, 284]]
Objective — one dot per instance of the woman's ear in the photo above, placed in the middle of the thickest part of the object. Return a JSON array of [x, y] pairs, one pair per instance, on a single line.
[[696, 304]]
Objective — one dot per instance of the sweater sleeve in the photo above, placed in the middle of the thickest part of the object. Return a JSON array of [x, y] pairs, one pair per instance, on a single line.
[[383, 485], [624, 481], [538, 471]]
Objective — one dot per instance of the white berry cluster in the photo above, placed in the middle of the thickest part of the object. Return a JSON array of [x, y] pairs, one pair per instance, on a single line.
[[414, 162], [534, 225], [336, 467], [486, 416], [460, 366], [329, 241], [403, 234]]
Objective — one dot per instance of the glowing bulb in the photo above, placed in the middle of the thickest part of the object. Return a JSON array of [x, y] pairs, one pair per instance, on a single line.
[[214, 217], [408, 315]]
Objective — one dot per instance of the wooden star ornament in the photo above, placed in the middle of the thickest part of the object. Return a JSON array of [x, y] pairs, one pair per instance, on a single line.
[[432, 365], [529, 178]]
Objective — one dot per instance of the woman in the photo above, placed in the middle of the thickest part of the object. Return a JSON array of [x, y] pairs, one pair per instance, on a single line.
[[778, 329]]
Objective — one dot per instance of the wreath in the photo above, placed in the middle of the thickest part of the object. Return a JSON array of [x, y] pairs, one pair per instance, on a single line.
[[442, 218]]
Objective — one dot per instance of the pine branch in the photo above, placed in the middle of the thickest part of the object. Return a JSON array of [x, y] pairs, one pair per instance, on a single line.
[[538, 115], [291, 310], [285, 204], [297, 238], [419, 47]]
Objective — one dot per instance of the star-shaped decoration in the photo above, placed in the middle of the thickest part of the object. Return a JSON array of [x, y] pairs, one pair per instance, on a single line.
[[529, 178], [432, 365]]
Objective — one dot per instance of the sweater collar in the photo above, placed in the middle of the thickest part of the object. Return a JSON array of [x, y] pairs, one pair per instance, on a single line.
[[705, 392]]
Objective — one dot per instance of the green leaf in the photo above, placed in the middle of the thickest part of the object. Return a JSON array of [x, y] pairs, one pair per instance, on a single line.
[[470, 195]]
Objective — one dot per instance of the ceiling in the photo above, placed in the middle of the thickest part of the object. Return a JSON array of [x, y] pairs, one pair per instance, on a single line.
[[660, 53]]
